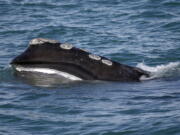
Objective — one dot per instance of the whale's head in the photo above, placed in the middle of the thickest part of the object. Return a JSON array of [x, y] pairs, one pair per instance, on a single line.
[[62, 57]]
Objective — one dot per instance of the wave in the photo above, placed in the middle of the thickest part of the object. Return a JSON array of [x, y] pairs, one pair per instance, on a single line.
[[6, 74], [171, 69]]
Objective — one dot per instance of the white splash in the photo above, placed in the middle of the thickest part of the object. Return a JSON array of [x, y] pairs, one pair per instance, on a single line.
[[159, 71], [48, 71]]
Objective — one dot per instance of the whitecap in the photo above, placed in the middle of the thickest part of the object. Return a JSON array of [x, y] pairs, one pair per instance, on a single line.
[[160, 71]]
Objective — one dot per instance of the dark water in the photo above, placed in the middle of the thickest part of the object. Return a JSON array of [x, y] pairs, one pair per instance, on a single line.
[[143, 33]]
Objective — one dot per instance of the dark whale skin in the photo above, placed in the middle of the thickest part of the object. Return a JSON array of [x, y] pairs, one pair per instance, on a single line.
[[46, 54]]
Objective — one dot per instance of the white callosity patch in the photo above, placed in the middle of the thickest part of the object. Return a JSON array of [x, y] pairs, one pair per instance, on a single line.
[[39, 41], [94, 57], [66, 46], [48, 71], [107, 62]]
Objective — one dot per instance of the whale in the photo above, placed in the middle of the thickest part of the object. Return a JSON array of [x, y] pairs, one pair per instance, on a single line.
[[63, 59]]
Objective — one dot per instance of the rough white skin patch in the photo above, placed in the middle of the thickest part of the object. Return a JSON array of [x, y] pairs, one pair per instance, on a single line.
[[39, 41], [94, 57], [66, 46], [107, 62], [48, 71]]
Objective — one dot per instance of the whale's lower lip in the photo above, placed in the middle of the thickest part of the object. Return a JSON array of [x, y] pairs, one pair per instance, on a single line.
[[48, 71], [66, 70]]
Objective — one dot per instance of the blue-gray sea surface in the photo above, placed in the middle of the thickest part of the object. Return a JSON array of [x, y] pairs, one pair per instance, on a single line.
[[142, 33]]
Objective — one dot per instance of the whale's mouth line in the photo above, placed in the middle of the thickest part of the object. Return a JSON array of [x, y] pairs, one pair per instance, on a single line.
[[49, 71], [68, 70]]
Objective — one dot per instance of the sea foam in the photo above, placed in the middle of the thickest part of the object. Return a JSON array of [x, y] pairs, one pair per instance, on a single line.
[[161, 71]]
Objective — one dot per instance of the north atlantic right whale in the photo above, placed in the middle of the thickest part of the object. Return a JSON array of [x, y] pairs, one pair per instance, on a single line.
[[73, 63]]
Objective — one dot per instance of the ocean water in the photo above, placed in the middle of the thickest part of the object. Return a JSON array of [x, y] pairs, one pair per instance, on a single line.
[[141, 33]]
